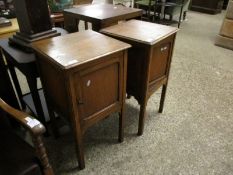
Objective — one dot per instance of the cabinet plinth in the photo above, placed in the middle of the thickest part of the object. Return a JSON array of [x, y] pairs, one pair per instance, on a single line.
[[149, 59], [84, 78]]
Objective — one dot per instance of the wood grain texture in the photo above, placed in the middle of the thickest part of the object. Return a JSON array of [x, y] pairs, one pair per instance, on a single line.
[[100, 15], [66, 52], [148, 33], [91, 88], [148, 60], [227, 28]]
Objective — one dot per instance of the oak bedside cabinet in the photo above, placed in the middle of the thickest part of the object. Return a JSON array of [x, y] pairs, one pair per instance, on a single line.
[[149, 59], [84, 78]]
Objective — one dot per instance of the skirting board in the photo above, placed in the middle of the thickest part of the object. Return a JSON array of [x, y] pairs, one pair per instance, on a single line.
[[224, 42]]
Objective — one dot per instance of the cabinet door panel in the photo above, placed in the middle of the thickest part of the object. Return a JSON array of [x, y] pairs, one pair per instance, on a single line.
[[99, 89], [159, 61]]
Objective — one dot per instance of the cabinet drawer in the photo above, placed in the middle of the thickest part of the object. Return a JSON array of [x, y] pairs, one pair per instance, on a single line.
[[98, 88], [159, 61]]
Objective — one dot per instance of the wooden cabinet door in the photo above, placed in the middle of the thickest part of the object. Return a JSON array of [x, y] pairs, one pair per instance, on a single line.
[[160, 60], [99, 89]]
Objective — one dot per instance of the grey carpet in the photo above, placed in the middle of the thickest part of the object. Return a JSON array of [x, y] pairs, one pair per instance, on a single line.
[[192, 136]]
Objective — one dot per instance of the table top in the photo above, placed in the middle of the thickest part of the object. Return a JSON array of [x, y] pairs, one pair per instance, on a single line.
[[78, 48], [140, 31], [103, 11]]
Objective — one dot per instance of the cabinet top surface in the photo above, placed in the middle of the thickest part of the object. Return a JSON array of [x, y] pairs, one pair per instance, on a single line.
[[102, 11], [140, 31], [77, 48]]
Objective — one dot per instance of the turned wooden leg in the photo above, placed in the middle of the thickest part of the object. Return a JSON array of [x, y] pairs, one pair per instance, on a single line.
[[162, 99], [142, 117], [42, 155]]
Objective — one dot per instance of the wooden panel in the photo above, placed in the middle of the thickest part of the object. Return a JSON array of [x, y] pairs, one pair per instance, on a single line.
[[135, 71], [224, 42], [227, 28], [54, 85], [159, 61], [99, 88]]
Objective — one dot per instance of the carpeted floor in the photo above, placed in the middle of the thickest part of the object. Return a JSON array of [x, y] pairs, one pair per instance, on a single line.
[[192, 136]]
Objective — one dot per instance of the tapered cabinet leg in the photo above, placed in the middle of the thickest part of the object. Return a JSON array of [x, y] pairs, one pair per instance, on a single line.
[[162, 99], [80, 154], [121, 126], [142, 116]]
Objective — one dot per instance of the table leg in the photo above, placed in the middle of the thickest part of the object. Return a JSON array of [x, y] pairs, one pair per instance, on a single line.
[[79, 146], [121, 125], [96, 27], [162, 9], [86, 25], [70, 24], [181, 11], [16, 83], [32, 83], [162, 99], [142, 117]]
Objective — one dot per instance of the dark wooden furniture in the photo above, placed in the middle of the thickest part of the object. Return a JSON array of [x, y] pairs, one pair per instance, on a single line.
[[207, 6], [17, 156], [34, 23], [6, 89], [84, 78], [225, 3], [57, 19], [148, 60], [26, 63], [99, 15]]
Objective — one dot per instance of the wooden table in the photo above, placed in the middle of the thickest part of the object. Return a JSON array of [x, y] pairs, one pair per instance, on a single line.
[[100, 15], [83, 80], [148, 60], [6, 32], [26, 64]]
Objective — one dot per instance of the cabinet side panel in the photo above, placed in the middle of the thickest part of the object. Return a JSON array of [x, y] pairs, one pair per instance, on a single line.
[[135, 73], [54, 85]]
